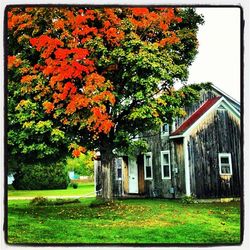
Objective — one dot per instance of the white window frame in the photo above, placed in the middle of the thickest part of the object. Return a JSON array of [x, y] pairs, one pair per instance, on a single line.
[[229, 161], [151, 166], [163, 133], [162, 165], [116, 169]]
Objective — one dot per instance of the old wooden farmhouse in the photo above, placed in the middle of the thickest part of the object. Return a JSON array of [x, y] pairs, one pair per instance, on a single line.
[[199, 155]]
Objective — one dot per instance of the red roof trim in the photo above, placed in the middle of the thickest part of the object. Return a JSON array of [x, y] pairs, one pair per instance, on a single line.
[[195, 116]]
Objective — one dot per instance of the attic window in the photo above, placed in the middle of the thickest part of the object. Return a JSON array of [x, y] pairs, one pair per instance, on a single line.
[[165, 129], [225, 164]]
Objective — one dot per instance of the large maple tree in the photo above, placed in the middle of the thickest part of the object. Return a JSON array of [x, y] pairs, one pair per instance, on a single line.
[[84, 78]]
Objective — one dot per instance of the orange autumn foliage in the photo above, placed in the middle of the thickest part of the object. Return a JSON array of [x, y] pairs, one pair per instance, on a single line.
[[77, 151], [74, 82], [48, 106], [13, 61]]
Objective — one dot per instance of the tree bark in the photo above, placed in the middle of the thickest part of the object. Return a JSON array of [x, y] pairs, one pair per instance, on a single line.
[[107, 174]]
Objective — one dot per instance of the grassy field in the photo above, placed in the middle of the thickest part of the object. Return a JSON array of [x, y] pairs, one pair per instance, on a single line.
[[143, 221], [83, 189]]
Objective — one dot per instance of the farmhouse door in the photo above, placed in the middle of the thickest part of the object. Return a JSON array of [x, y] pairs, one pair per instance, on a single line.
[[133, 176]]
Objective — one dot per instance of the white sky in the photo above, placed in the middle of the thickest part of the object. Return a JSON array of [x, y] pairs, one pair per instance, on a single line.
[[218, 60]]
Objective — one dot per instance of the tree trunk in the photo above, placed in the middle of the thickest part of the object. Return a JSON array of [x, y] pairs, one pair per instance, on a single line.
[[107, 174]]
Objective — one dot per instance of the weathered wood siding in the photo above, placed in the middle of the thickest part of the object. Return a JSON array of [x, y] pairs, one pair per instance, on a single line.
[[178, 163], [219, 133], [158, 187], [141, 183]]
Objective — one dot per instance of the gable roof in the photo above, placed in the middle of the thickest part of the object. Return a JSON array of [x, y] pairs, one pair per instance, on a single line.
[[235, 103], [200, 112], [196, 115]]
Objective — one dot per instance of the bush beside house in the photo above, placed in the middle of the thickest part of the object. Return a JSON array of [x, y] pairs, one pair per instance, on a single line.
[[39, 177]]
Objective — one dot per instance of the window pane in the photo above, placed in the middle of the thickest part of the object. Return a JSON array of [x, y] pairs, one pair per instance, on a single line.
[[118, 163], [224, 159], [148, 172], [165, 159], [166, 171], [119, 173], [147, 160], [165, 128], [225, 169]]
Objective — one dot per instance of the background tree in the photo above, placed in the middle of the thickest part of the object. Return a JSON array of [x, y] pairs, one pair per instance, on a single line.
[[82, 165], [96, 77]]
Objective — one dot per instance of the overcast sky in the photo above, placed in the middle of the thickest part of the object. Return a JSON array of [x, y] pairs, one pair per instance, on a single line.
[[218, 60]]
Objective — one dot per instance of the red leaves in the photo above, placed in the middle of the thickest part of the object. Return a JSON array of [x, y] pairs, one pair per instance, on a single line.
[[171, 39], [93, 82], [28, 78], [140, 11], [154, 22], [77, 151], [114, 36], [80, 53], [20, 22], [40, 42], [62, 53], [13, 61], [59, 24], [100, 121], [48, 106], [46, 43], [69, 65]]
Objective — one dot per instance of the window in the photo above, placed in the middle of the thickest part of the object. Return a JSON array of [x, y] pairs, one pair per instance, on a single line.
[[148, 172], [118, 167], [165, 129], [165, 165], [225, 164]]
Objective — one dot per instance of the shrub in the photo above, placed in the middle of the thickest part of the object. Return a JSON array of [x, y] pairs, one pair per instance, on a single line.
[[41, 177], [75, 185], [42, 201], [188, 199], [10, 187], [39, 201]]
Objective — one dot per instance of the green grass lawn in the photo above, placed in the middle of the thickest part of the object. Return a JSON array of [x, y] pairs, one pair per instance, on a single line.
[[145, 221], [83, 189]]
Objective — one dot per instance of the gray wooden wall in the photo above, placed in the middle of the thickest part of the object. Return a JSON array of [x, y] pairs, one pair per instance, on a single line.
[[221, 134]]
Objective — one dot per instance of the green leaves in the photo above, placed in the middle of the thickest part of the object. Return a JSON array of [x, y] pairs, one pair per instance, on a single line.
[[83, 165]]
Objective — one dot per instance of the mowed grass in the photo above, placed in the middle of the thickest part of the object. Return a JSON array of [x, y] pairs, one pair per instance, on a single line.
[[137, 221], [83, 189]]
